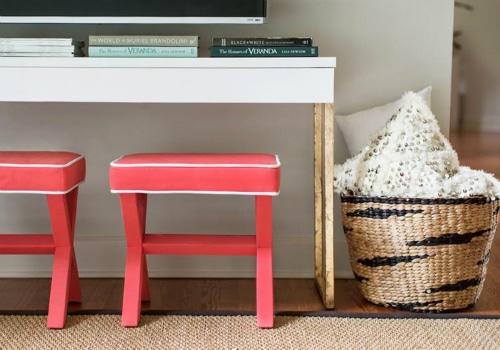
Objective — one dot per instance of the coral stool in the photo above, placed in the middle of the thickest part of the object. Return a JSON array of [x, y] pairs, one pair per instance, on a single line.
[[135, 176], [57, 175]]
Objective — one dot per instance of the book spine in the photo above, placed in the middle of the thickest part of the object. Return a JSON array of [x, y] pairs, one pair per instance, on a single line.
[[142, 51], [38, 54], [262, 41], [41, 41], [265, 51], [143, 40], [36, 48]]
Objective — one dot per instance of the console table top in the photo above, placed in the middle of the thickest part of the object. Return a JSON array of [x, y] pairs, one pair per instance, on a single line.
[[199, 62]]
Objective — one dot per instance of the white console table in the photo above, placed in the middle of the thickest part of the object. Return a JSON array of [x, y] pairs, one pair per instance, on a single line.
[[198, 80]]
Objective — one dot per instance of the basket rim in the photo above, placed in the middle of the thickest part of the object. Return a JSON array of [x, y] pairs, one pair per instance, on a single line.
[[347, 198]]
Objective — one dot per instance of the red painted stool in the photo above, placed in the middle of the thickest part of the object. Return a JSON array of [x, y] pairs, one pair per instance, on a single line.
[[57, 175], [137, 175]]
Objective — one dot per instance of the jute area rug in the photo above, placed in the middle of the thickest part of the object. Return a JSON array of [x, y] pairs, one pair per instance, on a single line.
[[240, 332]]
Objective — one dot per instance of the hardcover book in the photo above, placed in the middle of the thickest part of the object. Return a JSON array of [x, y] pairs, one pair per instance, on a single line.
[[38, 48], [40, 54], [263, 51], [272, 41], [143, 40], [41, 41], [142, 51]]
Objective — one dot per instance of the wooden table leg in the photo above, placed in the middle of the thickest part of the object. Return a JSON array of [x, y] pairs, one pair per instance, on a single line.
[[323, 201]]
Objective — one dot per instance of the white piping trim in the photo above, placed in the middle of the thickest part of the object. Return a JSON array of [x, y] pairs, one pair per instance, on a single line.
[[38, 165], [199, 192], [183, 165], [195, 165], [43, 192]]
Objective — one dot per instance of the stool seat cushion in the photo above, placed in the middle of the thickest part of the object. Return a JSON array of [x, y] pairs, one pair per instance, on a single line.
[[214, 173], [51, 172]]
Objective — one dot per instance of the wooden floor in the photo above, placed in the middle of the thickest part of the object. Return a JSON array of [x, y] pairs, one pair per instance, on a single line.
[[206, 296]]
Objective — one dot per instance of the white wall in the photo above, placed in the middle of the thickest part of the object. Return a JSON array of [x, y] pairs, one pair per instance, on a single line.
[[480, 64], [383, 49]]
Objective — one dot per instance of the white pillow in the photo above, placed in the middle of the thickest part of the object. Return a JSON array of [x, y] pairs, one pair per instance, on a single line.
[[358, 127]]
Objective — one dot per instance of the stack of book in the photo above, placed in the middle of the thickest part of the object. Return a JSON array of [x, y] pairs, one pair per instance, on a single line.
[[263, 47], [41, 47], [143, 46]]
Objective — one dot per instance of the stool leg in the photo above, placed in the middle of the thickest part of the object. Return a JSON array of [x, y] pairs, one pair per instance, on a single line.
[[136, 285], [131, 308], [145, 296], [264, 270], [59, 288], [75, 291], [65, 284]]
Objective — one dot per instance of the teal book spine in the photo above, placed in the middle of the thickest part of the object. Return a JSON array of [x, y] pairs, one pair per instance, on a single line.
[[142, 51], [263, 51]]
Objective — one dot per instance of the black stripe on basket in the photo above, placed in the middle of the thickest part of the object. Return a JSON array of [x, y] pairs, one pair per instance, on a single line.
[[413, 306], [426, 308], [389, 261], [377, 213], [456, 287], [497, 210], [485, 260], [421, 201], [449, 238], [360, 278], [347, 229]]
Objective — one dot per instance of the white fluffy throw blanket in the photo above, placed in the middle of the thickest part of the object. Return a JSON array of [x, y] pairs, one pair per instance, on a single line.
[[410, 157]]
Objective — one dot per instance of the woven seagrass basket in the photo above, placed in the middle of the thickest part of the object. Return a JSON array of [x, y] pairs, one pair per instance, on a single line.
[[422, 255]]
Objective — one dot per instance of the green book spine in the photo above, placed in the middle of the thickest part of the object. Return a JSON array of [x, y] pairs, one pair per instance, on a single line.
[[143, 40], [142, 51], [264, 51], [293, 41]]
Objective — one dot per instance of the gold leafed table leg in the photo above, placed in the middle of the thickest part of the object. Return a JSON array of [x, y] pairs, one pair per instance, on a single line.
[[323, 201]]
